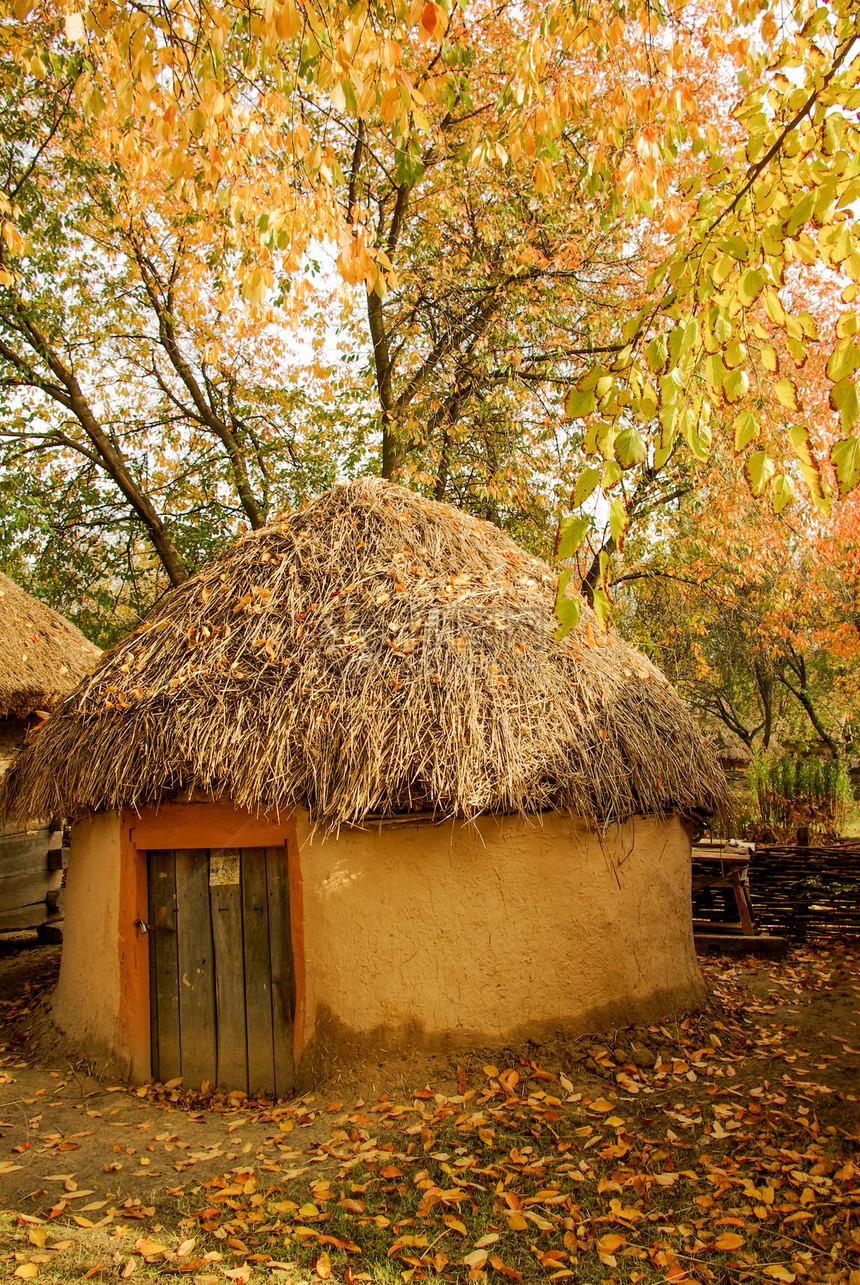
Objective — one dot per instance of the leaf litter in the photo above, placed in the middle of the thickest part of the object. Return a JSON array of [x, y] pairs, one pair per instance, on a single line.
[[719, 1148]]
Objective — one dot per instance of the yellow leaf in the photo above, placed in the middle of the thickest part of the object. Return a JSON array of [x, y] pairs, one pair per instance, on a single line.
[[601, 1105], [322, 1267], [74, 31], [26, 1271], [148, 1247], [729, 1240], [779, 1273], [454, 1223], [608, 1244], [37, 1236], [786, 394]]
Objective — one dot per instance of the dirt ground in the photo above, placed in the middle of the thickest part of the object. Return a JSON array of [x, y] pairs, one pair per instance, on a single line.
[[71, 1144]]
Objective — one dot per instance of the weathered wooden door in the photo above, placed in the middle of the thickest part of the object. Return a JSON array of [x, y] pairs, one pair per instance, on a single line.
[[222, 989]]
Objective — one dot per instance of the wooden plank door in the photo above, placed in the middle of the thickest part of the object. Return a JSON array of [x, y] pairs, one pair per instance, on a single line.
[[221, 968], [196, 967]]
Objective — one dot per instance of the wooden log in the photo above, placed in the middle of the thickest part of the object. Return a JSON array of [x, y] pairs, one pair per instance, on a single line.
[[58, 858], [23, 917], [741, 944]]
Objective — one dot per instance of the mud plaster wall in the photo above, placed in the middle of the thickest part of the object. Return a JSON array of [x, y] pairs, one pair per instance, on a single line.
[[87, 1000], [438, 936]]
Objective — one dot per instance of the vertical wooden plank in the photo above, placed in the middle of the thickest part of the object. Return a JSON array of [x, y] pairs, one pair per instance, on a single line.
[[164, 971], [151, 911], [282, 971], [225, 896], [258, 979], [196, 965]]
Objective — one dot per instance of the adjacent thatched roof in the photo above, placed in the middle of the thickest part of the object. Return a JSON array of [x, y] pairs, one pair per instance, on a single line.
[[42, 655], [371, 653], [731, 749]]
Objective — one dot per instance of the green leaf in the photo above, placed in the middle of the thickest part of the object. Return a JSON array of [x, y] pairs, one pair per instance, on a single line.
[[567, 609], [843, 247], [801, 213], [619, 521], [843, 360], [630, 448], [737, 247], [746, 430], [845, 458], [783, 491], [656, 354], [698, 441], [666, 440], [735, 385], [844, 399], [602, 605], [799, 437], [758, 470], [774, 309], [624, 359], [824, 503], [586, 482], [571, 533], [715, 372], [750, 287], [735, 354], [600, 438], [647, 408], [579, 404], [809, 325], [786, 394]]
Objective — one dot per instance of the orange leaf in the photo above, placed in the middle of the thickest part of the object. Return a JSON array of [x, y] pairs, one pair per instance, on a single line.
[[428, 18], [729, 1240], [322, 1266], [610, 1243]]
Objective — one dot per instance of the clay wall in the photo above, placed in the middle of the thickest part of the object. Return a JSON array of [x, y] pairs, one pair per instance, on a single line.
[[487, 933], [407, 935]]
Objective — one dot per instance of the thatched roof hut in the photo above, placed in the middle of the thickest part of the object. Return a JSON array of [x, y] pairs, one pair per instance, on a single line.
[[344, 789], [42, 655], [42, 658], [372, 653]]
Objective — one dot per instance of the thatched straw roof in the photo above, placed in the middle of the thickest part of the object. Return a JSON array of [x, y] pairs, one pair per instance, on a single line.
[[371, 653], [42, 655]]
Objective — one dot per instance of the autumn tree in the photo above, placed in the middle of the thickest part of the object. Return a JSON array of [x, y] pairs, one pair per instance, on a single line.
[[138, 399], [529, 196]]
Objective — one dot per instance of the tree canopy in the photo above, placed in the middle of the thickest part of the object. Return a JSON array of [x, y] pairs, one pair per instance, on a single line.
[[585, 258]]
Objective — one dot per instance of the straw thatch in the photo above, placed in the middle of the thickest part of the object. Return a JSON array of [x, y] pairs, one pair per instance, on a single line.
[[42, 655], [371, 653]]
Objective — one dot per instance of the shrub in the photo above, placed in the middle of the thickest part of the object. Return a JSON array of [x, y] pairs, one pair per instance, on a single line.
[[793, 793]]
